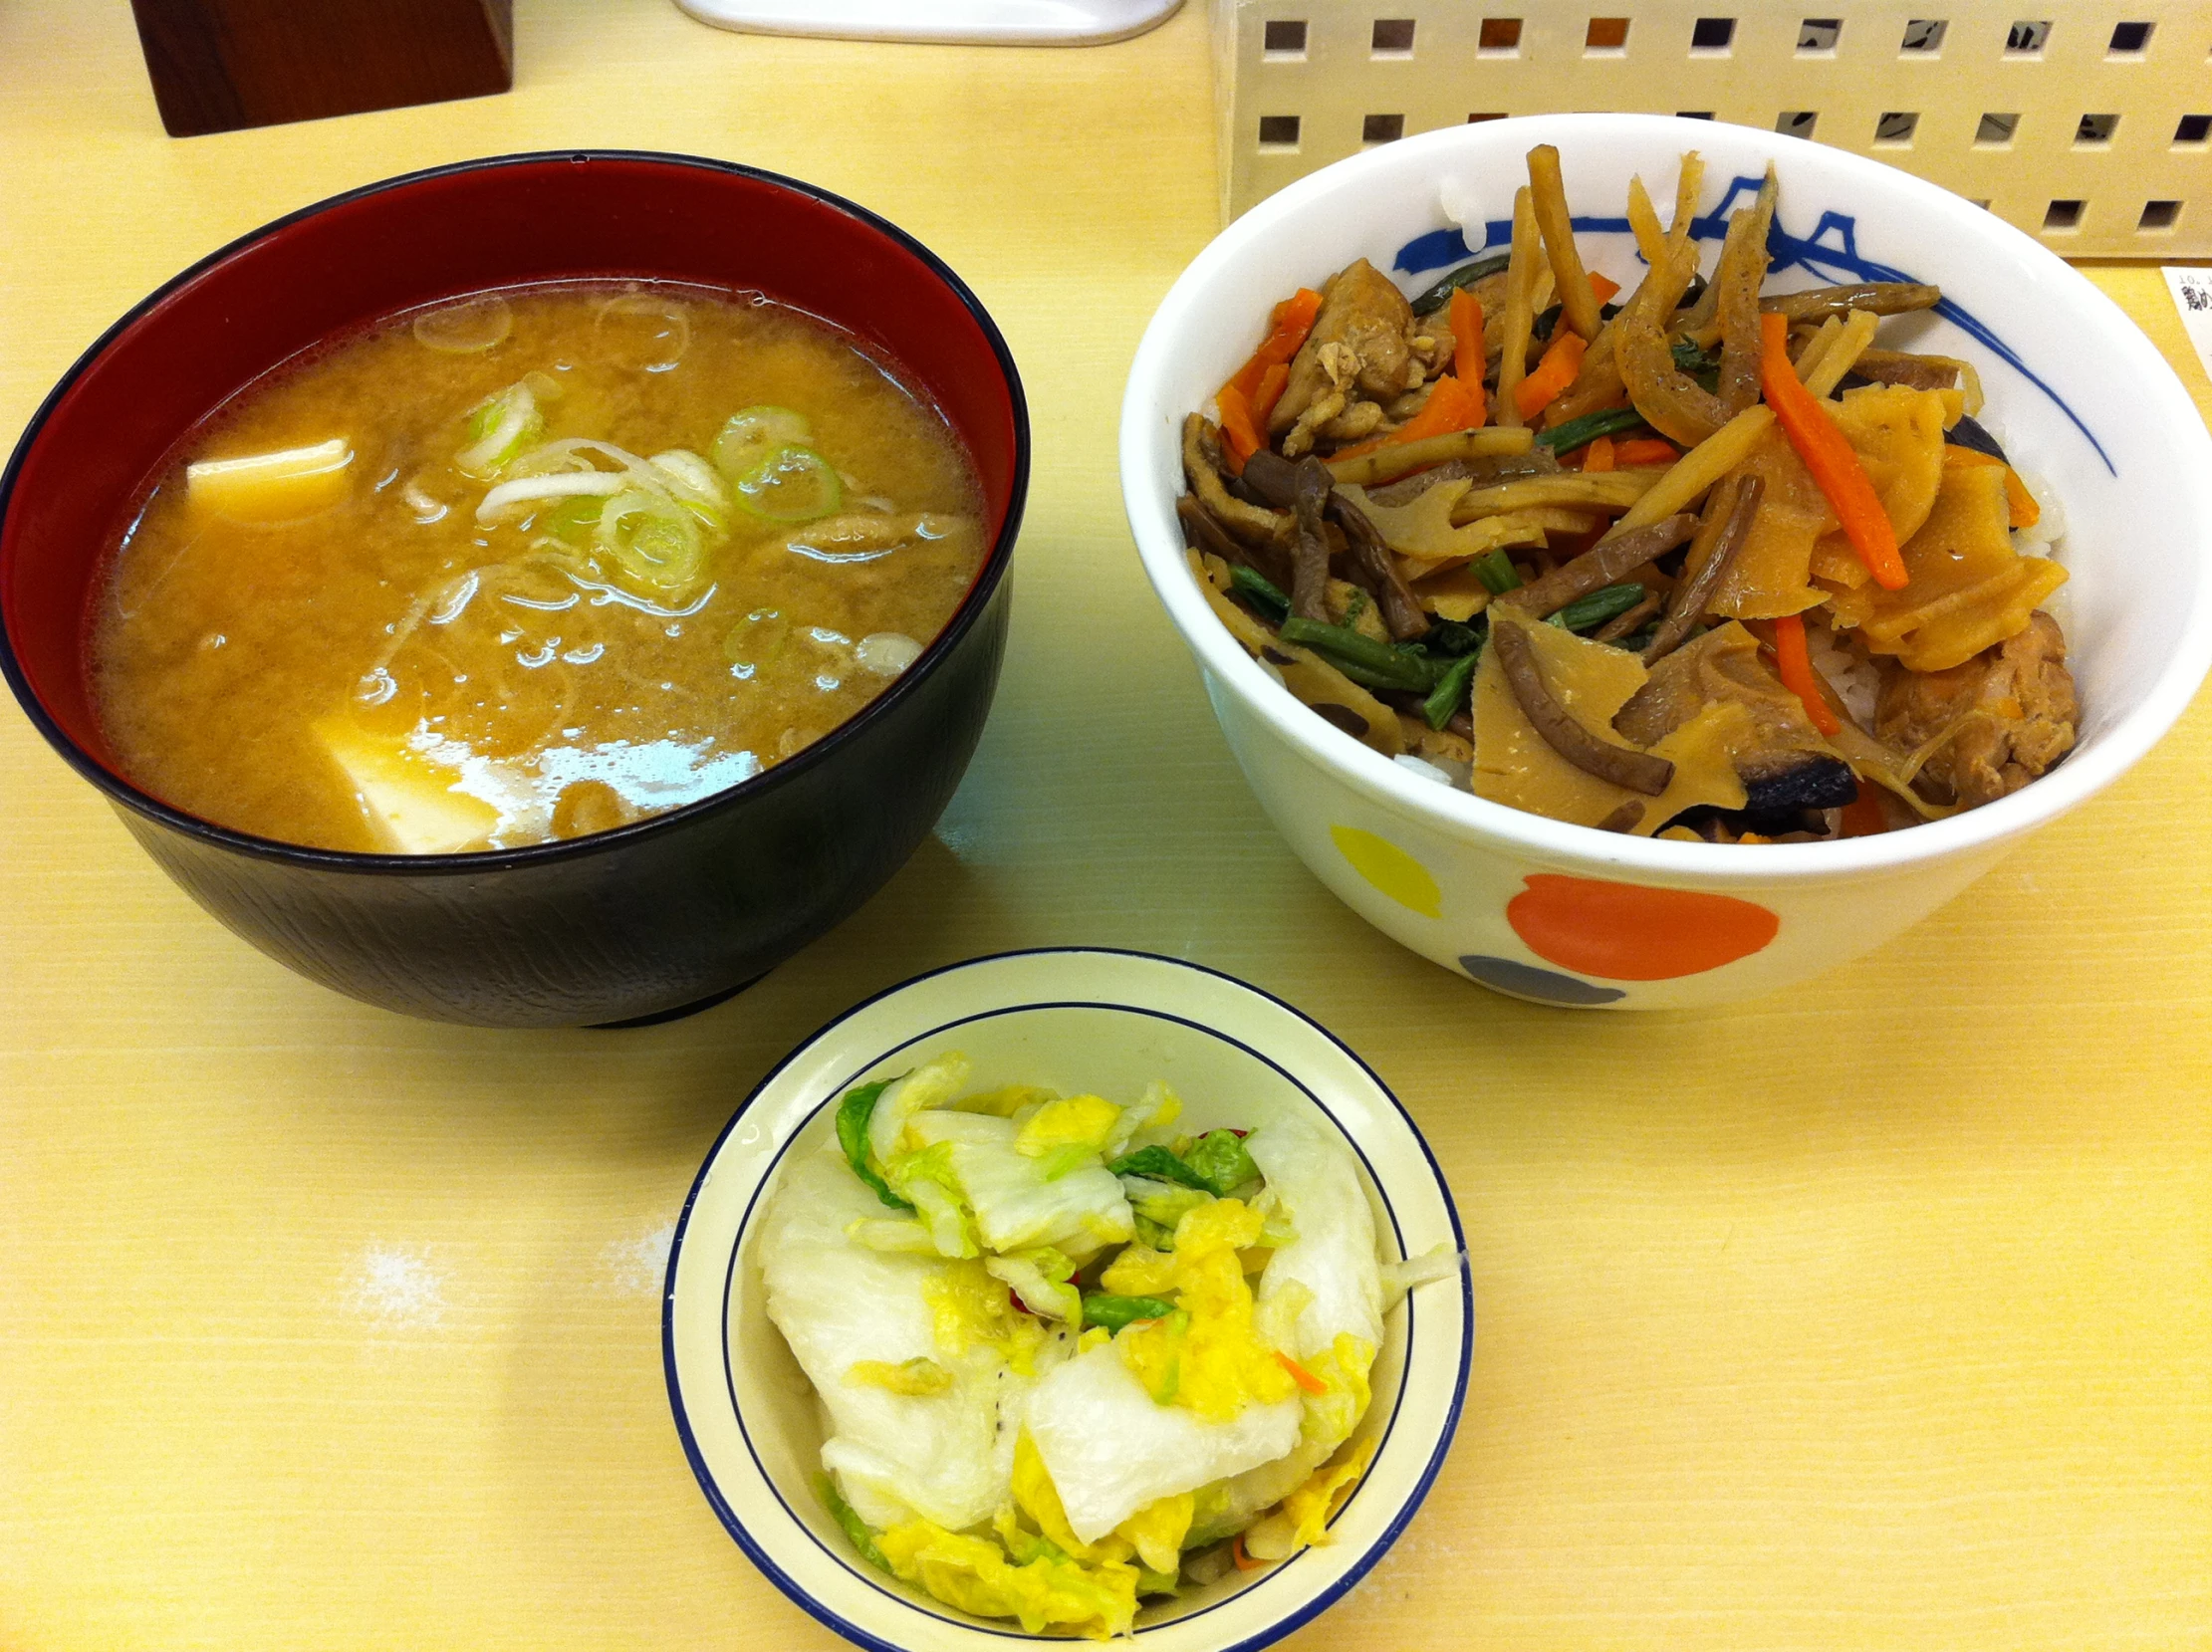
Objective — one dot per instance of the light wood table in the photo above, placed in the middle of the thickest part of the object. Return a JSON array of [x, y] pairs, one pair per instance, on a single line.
[[1878, 1314]]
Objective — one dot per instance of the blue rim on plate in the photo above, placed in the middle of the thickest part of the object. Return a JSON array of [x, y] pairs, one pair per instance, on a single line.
[[755, 1551]]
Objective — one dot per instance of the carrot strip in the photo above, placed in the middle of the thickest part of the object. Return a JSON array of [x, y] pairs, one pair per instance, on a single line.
[[1796, 664], [1237, 428], [1644, 450], [1450, 406], [1302, 1376], [1287, 326], [1268, 394], [1467, 356], [1244, 1561], [1604, 289], [1828, 457], [1862, 816], [1598, 455], [2021, 507], [1467, 351], [1562, 362]]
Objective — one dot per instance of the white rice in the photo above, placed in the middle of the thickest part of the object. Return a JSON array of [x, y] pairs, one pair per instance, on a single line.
[[1423, 767], [1843, 659]]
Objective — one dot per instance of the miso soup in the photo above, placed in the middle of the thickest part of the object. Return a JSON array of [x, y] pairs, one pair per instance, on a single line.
[[531, 566]]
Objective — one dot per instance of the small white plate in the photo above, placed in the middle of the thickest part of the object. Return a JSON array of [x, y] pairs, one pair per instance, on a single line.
[[973, 22], [1078, 1021]]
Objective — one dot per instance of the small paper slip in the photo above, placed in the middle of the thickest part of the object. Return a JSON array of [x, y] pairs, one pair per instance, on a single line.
[[2192, 295]]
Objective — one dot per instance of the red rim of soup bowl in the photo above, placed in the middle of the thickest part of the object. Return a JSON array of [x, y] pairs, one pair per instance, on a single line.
[[327, 270]]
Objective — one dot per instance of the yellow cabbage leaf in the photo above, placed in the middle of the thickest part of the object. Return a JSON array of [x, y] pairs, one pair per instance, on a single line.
[[1140, 1271], [1006, 1102], [1158, 1530], [1324, 1491], [1078, 1121], [975, 1575], [911, 1377], [1207, 1356], [970, 1308]]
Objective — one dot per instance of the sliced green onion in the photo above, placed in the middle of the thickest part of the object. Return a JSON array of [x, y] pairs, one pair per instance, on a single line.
[[793, 484], [654, 539], [1497, 573], [758, 640], [572, 520], [1450, 692], [1587, 614], [753, 433], [500, 427], [463, 329], [691, 479], [530, 490], [1578, 433], [1439, 294], [645, 332]]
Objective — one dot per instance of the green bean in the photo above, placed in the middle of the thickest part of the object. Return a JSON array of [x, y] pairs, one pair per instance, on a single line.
[[1497, 573], [1587, 614], [1578, 433], [1365, 661], [1436, 297], [1450, 692], [1257, 589]]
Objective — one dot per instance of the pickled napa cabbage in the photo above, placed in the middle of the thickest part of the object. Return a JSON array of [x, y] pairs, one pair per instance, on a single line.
[[1031, 1414]]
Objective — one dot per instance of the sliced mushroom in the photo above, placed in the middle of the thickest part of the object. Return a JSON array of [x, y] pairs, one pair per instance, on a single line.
[[1402, 609], [1309, 550], [1602, 565], [1503, 467]]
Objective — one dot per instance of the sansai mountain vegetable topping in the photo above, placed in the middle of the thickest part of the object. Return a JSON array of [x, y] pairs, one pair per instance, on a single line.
[[1867, 564]]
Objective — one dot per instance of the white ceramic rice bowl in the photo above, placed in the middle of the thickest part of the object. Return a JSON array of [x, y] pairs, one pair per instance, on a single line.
[[1544, 909], [1078, 1020]]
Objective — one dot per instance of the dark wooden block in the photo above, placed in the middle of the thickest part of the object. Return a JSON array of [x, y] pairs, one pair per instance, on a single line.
[[219, 64]]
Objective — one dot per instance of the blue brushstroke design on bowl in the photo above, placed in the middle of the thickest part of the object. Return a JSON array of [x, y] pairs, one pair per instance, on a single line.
[[1831, 252]]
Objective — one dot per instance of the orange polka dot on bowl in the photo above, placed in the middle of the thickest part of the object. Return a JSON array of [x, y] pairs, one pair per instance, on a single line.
[[1629, 932]]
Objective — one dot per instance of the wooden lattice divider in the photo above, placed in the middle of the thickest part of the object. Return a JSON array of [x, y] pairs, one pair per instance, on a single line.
[[2086, 123]]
